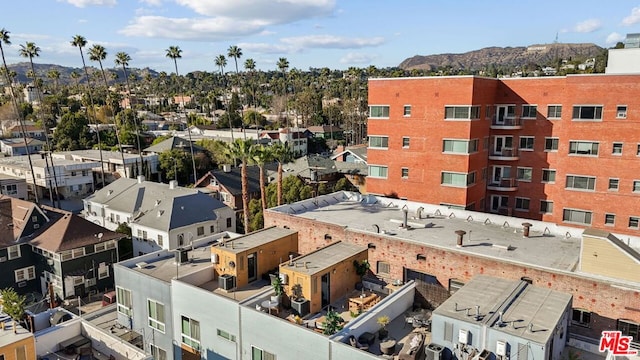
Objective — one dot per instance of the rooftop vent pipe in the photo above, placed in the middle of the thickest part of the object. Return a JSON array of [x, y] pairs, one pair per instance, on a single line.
[[140, 179], [405, 215], [526, 227], [290, 259], [460, 234], [377, 228], [173, 184]]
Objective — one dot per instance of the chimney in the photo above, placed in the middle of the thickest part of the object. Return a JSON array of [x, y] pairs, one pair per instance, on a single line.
[[290, 259], [477, 312], [405, 215], [526, 227], [500, 318], [140, 179], [226, 168], [173, 184], [531, 327], [460, 234], [455, 306]]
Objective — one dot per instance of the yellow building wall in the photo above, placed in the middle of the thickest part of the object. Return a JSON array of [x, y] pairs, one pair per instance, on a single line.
[[268, 256], [29, 344], [601, 257], [342, 280]]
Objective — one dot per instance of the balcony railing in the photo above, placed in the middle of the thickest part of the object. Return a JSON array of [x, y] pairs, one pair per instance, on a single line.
[[503, 184], [510, 122], [504, 154]]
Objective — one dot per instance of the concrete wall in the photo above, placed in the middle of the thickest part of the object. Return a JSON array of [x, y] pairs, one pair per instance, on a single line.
[[47, 340], [623, 61], [110, 346]]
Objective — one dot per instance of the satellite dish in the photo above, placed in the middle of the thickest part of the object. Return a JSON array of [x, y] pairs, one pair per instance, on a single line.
[[232, 264], [100, 235]]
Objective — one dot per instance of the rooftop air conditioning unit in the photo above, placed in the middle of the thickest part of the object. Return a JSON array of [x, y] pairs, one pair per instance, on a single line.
[[227, 282], [434, 351]]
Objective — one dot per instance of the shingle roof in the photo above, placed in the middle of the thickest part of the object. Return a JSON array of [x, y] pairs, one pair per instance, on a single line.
[[14, 215], [172, 143], [19, 142], [232, 180], [180, 211], [68, 231], [303, 166]]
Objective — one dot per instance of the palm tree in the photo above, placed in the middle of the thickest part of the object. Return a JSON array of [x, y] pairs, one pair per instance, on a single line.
[[250, 66], [76, 78], [122, 59], [283, 155], [262, 156], [79, 41], [174, 52], [221, 62], [283, 65], [54, 75], [4, 39], [235, 53], [30, 50], [243, 150], [98, 53]]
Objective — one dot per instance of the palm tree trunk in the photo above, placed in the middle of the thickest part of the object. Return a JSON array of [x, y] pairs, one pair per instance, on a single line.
[[86, 73], [245, 195], [20, 123], [135, 117], [106, 84], [279, 183], [263, 193]]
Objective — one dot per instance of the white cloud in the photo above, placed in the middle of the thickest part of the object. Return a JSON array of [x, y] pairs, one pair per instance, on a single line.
[[587, 26], [205, 29], [85, 3], [269, 11], [614, 37], [331, 42], [634, 18], [83, 21], [151, 2], [357, 58]]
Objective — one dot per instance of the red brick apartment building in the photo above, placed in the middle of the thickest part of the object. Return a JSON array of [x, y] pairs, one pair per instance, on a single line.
[[559, 149]]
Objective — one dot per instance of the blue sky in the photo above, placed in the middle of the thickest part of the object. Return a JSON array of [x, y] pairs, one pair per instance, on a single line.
[[309, 33]]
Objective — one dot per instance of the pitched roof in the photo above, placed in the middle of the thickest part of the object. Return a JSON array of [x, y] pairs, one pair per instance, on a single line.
[[68, 231], [304, 165], [180, 211], [19, 142], [232, 180], [14, 215], [172, 143], [324, 128], [31, 128]]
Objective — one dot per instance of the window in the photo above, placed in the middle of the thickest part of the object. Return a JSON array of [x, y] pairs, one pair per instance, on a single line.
[[73, 173], [407, 110], [613, 184], [554, 111], [383, 267], [522, 204], [158, 353], [546, 207], [629, 328], [191, 332], [225, 335], [85, 173], [160, 240], [25, 274], [551, 144], [405, 142], [638, 150], [581, 182], [259, 354], [529, 111], [526, 142], [378, 141], [633, 222], [11, 189], [379, 111], [581, 317], [458, 179], [378, 171], [576, 216], [21, 352], [200, 230], [123, 298], [99, 247], [103, 271], [14, 252], [588, 112], [156, 315], [617, 148], [583, 148], [636, 185], [76, 253], [609, 219], [228, 222], [212, 229], [405, 173], [621, 112], [462, 112], [460, 146], [524, 173], [548, 176]]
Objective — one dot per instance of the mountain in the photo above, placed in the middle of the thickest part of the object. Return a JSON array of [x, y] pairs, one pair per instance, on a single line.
[[23, 68], [508, 57]]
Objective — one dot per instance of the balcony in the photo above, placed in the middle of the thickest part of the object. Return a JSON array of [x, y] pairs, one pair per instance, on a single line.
[[508, 154], [503, 184], [506, 123]]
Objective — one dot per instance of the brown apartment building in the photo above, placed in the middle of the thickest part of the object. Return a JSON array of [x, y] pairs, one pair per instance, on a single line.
[[564, 150]]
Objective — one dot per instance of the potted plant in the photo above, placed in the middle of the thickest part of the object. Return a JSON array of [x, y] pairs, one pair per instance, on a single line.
[[332, 323], [13, 305], [361, 267], [276, 283], [383, 321]]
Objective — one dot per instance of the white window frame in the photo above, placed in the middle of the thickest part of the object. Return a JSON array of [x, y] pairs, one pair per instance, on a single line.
[[122, 295], [381, 139], [585, 213], [613, 218], [103, 271], [157, 352], [570, 181], [636, 186], [471, 110], [529, 107], [13, 249], [402, 172], [616, 148], [380, 167], [471, 146], [585, 142], [382, 108], [634, 220], [554, 141], [25, 274], [406, 113], [621, 111], [580, 110], [264, 355], [152, 321], [549, 171], [527, 138], [522, 200], [555, 111], [616, 182], [523, 170], [546, 209], [191, 341], [470, 179], [226, 335]]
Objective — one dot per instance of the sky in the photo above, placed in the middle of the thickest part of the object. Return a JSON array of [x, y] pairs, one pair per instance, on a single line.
[[336, 34]]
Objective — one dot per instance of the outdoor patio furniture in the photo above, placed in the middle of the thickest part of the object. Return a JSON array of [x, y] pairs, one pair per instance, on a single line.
[[413, 348], [388, 346], [356, 344], [367, 338]]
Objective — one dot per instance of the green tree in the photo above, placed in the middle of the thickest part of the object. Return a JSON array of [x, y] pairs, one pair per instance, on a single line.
[[13, 305], [216, 150], [262, 155], [72, 132], [174, 164], [283, 155], [243, 150], [283, 66], [122, 59]]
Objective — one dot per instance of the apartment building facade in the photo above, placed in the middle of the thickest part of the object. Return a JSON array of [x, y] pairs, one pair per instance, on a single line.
[[556, 149]]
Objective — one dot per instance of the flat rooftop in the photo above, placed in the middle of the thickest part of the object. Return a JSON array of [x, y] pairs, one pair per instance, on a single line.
[[325, 257], [7, 336], [22, 162], [109, 156], [548, 245], [528, 311], [255, 239]]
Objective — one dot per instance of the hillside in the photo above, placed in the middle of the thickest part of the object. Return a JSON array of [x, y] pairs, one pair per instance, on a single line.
[[23, 68], [509, 57]]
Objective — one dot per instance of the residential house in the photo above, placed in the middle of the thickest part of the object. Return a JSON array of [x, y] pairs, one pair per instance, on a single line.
[[351, 154], [13, 186], [294, 138], [313, 169], [328, 132], [16, 146], [18, 343], [351, 162], [31, 131], [31, 94], [161, 216], [112, 163], [173, 143]]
